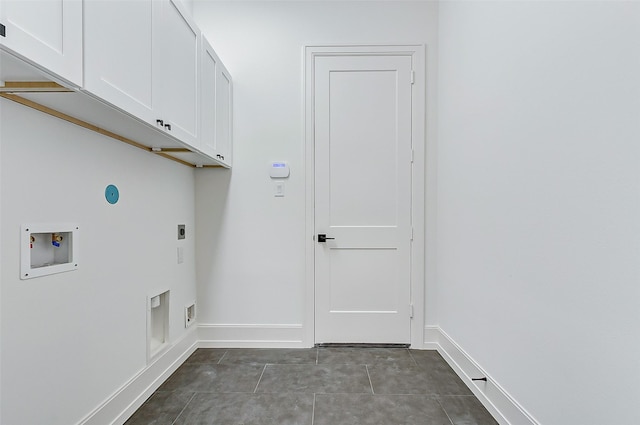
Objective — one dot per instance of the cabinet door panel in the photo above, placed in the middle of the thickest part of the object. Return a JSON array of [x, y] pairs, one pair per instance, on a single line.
[[224, 128], [119, 42], [208, 100], [47, 33], [178, 69]]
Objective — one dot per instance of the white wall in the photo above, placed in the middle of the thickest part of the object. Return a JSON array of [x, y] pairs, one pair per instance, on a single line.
[[189, 5], [538, 201], [254, 273], [70, 340], [1, 258]]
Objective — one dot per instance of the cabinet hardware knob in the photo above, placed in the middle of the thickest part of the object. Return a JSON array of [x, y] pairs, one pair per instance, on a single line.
[[323, 238]]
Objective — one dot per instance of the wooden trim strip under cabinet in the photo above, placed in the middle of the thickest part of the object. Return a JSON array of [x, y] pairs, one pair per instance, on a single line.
[[32, 86], [49, 111], [159, 150]]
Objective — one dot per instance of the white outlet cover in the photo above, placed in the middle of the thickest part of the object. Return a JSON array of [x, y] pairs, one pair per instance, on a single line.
[[180, 255], [279, 190]]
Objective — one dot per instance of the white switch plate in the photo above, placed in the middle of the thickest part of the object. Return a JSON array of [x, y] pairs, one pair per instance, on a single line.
[[180, 255], [279, 190]]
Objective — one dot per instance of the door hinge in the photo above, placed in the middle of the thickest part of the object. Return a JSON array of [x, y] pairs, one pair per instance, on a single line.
[[410, 311], [3, 30], [413, 76]]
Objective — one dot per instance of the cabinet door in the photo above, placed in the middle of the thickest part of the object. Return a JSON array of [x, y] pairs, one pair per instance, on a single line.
[[48, 33], [208, 99], [178, 72], [120, 37], [224, 114]]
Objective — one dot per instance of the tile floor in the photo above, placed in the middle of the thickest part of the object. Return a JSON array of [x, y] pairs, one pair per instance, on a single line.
[[318, 386]]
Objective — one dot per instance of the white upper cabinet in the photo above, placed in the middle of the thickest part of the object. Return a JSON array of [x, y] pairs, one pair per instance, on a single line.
[[47, 33], [138, 65], [142, 57], [215, 106], [224, 127], [178, 68], [120, 39], [210, 64]]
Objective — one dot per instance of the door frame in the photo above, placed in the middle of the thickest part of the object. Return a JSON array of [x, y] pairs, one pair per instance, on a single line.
[[418, 141]]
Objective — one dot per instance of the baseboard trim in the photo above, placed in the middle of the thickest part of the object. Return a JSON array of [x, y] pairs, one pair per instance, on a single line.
[[431, 337], [126, 400], [251, 336], [504, 408], [116, 409]]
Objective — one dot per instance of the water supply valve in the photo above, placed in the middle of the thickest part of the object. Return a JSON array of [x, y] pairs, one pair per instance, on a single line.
[[56, 239]]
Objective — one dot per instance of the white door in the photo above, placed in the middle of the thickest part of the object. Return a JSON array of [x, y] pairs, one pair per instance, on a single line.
[[224, 127], [210, 63], [46, 32], [119, 41], [363, 154], [178, 70], [215, 105]]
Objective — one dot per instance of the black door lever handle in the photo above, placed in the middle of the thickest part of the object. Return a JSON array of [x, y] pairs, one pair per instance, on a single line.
[[323, 238]]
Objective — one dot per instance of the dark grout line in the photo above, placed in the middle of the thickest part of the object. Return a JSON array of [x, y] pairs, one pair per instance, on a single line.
[[377, 394], [183, 409], [439, 396]]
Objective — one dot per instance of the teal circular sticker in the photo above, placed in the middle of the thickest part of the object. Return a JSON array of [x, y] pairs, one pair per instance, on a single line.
[[112, 194]]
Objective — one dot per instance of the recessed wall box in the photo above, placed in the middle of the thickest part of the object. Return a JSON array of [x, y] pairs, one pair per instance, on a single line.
[[157, 324], [47, 249], [189, 314], [279, 170]]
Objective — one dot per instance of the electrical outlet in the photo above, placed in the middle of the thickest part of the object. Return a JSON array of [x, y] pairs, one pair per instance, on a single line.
[[180, 255]]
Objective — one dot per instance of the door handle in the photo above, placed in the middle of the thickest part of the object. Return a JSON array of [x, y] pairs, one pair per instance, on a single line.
[[323, 238]]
